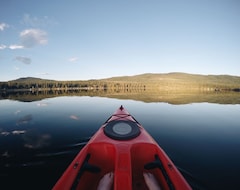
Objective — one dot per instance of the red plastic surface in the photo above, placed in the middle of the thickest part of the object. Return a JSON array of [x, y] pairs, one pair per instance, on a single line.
[[125, 158]]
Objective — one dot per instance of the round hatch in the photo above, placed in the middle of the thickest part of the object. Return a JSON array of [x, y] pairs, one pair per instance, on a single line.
[[122, 130]]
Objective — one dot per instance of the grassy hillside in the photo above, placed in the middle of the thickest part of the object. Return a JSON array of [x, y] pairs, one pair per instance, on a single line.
[[179, 77], [30, 80], [164, 82], [182, 81], [173, 88]]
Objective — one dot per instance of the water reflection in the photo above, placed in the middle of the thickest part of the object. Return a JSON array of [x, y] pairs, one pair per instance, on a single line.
[[5, 154], [74, 117], [24, 120], [15, 132], [17, 112], [18, 132], [5, 133], [171, 97], [34, 140], [42, 104], [39, 139]]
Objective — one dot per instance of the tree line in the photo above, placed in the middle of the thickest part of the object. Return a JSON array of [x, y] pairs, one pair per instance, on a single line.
[[33, 84], [62, 85]]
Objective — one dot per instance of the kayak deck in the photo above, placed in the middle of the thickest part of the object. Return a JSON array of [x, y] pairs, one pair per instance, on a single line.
[[128, 169], [128, 159]]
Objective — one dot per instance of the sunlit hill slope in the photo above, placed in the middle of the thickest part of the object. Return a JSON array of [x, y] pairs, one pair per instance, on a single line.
[[165, 82]]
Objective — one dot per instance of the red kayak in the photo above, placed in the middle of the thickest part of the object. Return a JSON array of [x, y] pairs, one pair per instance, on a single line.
[[123, 147]]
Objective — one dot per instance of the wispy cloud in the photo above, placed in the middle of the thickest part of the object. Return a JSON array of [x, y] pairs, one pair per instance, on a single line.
[[15, 46], [33, 37], [44, 74], [3, 26], [16, 68], [25, 60], [2, 46], [36, 21], [73, 59]]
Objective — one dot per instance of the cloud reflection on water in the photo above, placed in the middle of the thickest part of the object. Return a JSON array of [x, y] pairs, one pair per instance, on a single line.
[[25, 119], [14, 132], [33, 140], [74, 117], [43, 104]]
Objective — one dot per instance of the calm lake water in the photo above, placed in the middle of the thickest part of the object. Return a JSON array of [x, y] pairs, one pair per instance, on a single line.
[[39, 139]]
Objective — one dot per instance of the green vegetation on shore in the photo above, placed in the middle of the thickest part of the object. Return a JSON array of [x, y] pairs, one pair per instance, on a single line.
[[153, 82]]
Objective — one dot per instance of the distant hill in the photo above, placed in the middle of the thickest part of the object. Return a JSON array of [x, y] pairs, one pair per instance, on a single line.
[[183, 81], [166, 82], [29, 79], [150, 77], [178, 77]]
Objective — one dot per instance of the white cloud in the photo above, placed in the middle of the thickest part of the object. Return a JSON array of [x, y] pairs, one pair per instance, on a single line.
[[15, 46], [33, 37], [24, 60], [73, 59], [2, 46], [3, 26]]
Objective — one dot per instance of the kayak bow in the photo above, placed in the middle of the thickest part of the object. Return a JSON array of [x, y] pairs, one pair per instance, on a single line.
[[122, 146]]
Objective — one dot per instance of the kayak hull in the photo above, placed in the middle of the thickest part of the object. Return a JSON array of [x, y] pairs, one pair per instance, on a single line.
[[127, 159]]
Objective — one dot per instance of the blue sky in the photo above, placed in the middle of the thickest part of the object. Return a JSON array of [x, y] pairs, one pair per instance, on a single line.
[[92, 39]]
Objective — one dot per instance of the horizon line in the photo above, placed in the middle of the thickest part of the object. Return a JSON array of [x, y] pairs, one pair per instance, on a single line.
[[174, 72]]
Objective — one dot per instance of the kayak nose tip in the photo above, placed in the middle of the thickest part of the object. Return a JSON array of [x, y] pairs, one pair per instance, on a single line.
[[121, 108]]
